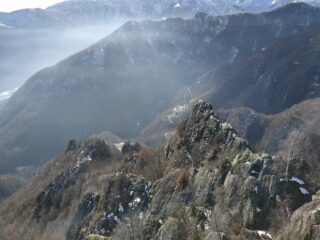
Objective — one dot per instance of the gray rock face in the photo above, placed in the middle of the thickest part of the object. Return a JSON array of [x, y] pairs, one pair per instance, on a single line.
[[216, 236], [168, 231], [249, 186], [304, 223], [249, 196], [315, 217]]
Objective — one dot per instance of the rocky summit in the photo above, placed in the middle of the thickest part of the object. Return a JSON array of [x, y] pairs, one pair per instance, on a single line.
[[207, 183]]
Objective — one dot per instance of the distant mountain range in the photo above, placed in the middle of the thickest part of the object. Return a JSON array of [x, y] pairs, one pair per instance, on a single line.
[[121, 83], [87, 12]]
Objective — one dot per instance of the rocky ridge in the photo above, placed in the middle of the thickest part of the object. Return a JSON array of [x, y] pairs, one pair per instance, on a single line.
[[213, 187]]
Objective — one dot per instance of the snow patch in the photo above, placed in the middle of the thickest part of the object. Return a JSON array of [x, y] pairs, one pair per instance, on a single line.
[[119, 146], [176, 111], [7, 94], [264, 234], [2, 25], [120, 208], [206, 226], [304, 191], [233, 54], [207, 214], [83, 158], [178, 5], [135, 203], [297, 180]]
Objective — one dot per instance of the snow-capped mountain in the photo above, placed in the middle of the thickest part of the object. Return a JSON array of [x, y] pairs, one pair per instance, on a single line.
[[266, 5], [143, 8], [88, 12], [165, 7]]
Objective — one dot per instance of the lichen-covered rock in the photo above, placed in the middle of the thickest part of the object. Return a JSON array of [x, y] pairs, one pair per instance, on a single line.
[[169, 230], [125, 195], [86, 206], [216, 236], [129, 147], [73, 145], [241, 189], [53, 195], [315, 217], [304, 223], [99, 150], [98, 237], [202, 137]]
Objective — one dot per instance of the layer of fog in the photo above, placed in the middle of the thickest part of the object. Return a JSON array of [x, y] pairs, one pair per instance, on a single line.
[[24, 52]]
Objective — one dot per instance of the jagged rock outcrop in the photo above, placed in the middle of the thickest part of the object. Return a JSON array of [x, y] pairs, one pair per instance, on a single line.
[[214, 187], [241, 192], [304, 223], [217, 158], [123, 196]]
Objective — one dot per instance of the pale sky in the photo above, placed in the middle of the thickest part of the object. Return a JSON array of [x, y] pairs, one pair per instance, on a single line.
[[11, 5]]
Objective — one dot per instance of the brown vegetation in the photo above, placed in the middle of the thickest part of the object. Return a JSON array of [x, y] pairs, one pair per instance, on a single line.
[[183, 178], [152, 163]]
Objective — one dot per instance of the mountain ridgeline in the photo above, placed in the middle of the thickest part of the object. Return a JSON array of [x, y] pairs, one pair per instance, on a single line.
[[76, 13], [206, 184], [121, 83]]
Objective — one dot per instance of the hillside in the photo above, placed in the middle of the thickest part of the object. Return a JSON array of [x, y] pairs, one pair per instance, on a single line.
[[213, 187], [281, 75], [142, 64]]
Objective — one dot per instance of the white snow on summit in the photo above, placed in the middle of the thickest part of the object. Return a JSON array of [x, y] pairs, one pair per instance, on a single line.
[[7, 94]]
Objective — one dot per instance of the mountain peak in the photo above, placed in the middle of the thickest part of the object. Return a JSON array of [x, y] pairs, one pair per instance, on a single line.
[[205, 137]]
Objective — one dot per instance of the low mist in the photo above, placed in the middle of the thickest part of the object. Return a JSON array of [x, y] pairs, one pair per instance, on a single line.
[[24, 52]]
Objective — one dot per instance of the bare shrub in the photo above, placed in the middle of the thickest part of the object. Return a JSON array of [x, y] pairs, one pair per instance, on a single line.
[[153, 163], [145, 156], [183, 178], [131, 231]]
